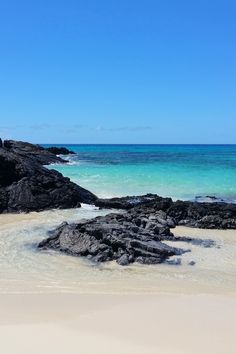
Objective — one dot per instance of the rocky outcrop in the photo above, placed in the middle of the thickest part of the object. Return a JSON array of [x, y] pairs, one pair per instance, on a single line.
[[26, 185], [204, 215], [212, 215], [60, 150], [134, 236], [130, 202], [33, 152]]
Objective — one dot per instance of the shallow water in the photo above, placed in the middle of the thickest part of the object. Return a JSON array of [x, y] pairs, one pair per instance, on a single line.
[[24, 269]]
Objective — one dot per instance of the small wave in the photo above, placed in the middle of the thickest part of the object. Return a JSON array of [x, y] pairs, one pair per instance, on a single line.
[[214, 199], [72, 160], [89, 207]]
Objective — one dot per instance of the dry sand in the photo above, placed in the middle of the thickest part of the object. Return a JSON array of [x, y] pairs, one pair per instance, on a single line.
[[112, 324]]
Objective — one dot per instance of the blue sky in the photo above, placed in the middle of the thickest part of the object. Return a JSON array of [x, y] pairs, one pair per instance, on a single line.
[[119, 71]]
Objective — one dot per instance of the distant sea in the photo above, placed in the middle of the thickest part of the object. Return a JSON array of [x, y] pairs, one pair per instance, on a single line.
[[177, 171]]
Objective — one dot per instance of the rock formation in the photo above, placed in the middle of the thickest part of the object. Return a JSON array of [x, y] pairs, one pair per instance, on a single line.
[[26, 185], [60, 150], [214, 215], [33, 152], [134, 236]]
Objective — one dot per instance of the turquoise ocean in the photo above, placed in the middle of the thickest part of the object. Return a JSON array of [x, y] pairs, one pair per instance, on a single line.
[[177, 171]]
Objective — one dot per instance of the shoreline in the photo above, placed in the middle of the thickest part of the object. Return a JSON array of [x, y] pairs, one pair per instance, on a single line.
[[23, 269]]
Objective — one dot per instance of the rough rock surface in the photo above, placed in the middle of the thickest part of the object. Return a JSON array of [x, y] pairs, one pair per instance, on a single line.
[[32, 152], [204, 215], [60, 150], [129, 202], [26, 185], [134, 236], [212, 215], [126, 238]]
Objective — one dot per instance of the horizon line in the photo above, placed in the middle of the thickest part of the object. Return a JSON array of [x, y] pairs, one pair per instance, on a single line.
[[197, 144]]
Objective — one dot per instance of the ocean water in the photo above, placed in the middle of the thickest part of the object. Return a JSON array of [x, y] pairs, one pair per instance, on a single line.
[[178, 171]]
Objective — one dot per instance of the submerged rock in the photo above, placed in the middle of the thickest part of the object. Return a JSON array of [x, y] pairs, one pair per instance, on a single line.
[[26, 185], [191, 263]]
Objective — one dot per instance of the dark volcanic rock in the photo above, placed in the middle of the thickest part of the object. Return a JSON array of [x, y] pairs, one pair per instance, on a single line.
[[33, 152], [60, 150], [191, 263], [26, 185], [129, 202], [134, 236], [212, 215], [204, 215]]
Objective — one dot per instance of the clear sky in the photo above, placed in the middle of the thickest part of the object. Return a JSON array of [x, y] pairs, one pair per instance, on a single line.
[[118, 71]]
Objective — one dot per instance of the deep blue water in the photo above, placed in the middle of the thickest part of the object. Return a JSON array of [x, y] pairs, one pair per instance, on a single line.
[[179, 171]]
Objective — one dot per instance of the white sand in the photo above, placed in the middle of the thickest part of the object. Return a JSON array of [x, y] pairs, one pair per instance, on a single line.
[[112, 324]]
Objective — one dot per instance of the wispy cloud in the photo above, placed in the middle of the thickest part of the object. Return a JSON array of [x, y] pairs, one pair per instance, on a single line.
[[40, 126], [123, 128], [58, 127], [131, 128], [9, 131], [11, 127]]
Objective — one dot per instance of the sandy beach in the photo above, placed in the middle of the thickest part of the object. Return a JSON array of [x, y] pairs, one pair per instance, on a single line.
[[102, 324]]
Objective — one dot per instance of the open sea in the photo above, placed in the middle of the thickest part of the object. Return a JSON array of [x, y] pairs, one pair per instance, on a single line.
[[177, 171]]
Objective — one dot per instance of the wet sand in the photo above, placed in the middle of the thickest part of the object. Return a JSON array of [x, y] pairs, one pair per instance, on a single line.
[[24, 269]]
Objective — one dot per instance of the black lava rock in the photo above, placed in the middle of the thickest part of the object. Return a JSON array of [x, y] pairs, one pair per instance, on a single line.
[[134, 236], [129, 202], [211, 215], [33, 152], [26, 185], [60, 150]]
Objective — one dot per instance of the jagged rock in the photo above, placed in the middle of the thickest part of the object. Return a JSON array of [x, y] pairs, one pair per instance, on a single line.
[[129, 202], [33, 152], [204, 215], [116, 237], [60, 150], [26, 185], [212, 215]]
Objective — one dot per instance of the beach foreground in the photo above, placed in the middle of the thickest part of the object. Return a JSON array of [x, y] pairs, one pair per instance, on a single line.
[[102, 324], [51, 303]]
